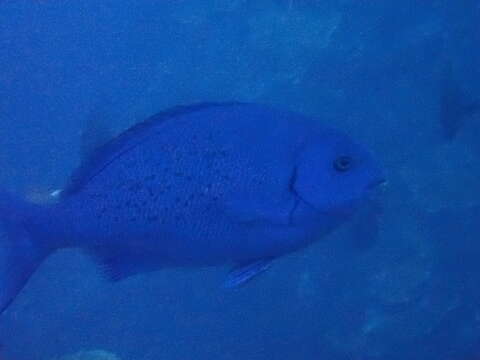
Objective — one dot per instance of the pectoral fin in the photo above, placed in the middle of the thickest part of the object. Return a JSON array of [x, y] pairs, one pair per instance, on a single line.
[[245, 272]]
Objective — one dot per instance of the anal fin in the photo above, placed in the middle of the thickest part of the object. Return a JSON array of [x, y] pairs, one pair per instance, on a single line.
[[245, 272], [119, 265]]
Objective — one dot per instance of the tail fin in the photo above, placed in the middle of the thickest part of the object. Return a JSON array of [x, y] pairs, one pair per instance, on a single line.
[[20, 255]]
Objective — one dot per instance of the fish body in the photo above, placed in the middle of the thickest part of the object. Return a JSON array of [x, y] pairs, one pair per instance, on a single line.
[[202, 185]]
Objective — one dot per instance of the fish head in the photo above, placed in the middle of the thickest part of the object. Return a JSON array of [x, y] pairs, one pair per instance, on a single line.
[[335, 175]]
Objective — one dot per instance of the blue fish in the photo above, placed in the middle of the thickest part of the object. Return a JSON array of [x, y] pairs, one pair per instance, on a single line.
[[202, 185]]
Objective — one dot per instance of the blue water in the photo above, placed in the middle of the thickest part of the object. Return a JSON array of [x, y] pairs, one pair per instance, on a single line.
[[404, 286]]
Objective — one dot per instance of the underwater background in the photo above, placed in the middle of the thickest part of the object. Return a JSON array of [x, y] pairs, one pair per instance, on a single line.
[[399, 282]]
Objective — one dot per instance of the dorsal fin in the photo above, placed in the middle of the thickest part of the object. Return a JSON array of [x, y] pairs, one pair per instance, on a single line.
[[106, 153]]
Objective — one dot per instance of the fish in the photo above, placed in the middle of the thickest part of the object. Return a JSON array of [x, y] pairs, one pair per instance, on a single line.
[[211, 184], [456, 105]]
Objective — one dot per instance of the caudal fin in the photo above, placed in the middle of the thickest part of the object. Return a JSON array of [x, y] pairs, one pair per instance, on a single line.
[[20, 254]]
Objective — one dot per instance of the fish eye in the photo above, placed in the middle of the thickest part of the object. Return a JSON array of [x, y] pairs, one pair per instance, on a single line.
[[343, 163]]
